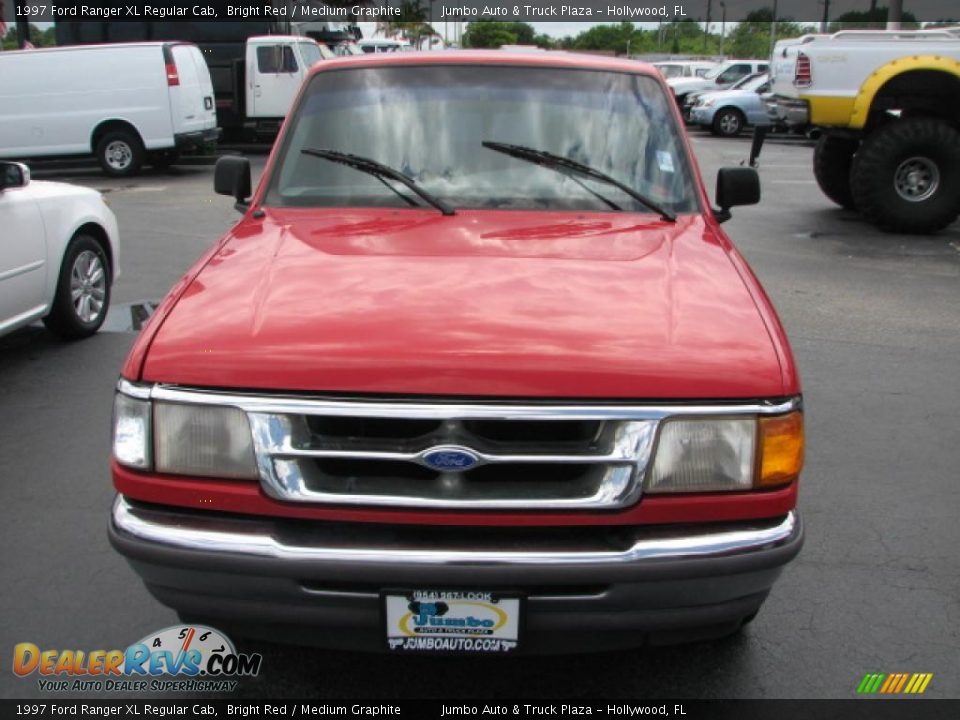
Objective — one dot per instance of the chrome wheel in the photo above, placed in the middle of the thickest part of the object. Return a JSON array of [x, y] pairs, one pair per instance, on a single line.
[[916, 179], [729, 123], [118, 155], [88, 286]]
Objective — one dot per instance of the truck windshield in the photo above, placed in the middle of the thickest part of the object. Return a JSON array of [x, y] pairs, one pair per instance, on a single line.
[[430, 123]]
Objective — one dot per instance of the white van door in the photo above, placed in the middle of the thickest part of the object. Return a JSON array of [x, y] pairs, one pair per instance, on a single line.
[[274, 74], [191, 91]]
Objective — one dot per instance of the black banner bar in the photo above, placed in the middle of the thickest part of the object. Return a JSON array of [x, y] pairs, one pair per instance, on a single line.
[[864, 709], [350, 11]]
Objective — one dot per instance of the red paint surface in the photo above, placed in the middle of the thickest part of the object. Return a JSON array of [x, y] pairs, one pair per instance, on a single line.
[[484, 303]]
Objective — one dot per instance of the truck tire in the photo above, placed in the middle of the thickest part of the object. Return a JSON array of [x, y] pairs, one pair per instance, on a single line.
[[832, 159], [728, 122], [83, 290], [906, 176], [120, 153]]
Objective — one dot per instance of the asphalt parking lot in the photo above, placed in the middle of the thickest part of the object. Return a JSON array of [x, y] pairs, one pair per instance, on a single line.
[[875, 324]]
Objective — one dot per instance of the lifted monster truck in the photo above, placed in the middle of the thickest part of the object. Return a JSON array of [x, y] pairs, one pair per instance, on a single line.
[[478, 370], [889, 106]]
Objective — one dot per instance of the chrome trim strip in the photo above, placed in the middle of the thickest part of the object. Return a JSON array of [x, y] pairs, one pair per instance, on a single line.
[[194, 532], [141, 392], [440, 410]]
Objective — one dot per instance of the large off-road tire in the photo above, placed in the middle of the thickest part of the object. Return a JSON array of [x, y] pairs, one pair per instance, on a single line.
[[832, 159], [120, 153], [906, 176], [728, 122], [83, 290]]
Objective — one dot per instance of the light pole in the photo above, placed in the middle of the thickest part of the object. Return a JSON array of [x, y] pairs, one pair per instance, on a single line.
[[723, 26], [706, 27], [773, 28]]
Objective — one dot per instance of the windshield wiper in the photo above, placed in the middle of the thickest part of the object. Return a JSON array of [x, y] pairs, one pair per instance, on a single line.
[[380, 171], [571, 167]]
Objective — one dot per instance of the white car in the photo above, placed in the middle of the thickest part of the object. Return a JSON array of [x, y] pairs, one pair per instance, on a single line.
[[58, 255]]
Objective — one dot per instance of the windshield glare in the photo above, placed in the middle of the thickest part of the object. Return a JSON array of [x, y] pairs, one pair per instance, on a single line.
[[429, 123]]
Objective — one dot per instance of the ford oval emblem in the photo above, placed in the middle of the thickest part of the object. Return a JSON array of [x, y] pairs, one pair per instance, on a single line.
[[447, 459]]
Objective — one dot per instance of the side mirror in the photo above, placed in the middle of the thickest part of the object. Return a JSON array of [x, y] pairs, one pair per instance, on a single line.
[[231, 176], [736, 186], [13, 175]]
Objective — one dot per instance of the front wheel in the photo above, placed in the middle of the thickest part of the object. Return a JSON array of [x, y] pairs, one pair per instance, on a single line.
[[906, 176], [83, 290], [728, 122]]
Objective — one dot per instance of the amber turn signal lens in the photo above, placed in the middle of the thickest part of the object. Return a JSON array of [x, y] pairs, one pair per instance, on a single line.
[[781, 449]]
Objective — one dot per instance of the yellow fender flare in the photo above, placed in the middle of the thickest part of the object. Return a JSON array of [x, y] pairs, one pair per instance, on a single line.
[[879, 77]]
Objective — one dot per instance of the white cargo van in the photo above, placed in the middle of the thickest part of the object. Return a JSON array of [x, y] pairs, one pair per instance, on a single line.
[[126, 103]]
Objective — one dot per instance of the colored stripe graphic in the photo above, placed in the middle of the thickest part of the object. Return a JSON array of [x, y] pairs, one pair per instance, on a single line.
[[894, 683]]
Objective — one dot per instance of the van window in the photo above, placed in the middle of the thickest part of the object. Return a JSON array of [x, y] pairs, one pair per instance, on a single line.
[[276, 59], [186, 69]]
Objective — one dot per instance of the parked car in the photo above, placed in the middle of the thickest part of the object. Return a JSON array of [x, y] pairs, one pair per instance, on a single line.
[[719, 77], [671, 69], [478, 371], [693, 97], [127, 103], [58, 255], [727, 112]]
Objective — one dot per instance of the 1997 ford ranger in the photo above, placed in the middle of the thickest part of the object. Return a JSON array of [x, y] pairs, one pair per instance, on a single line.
[[477, 371]]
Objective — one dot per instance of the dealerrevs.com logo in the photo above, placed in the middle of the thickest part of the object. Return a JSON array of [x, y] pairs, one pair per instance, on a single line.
[[180, 658]]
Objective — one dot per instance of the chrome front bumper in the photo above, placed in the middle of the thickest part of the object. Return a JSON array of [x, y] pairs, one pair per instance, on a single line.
[[250, 539], [585, 589], [793, 113]]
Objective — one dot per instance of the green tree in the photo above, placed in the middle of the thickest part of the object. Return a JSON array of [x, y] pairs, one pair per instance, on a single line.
[[751, 38], [494, 34], [621, 38], [873, 19], [38, 37]]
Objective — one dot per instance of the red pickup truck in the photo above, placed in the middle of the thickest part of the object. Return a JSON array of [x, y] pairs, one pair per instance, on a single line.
[[478, 371]]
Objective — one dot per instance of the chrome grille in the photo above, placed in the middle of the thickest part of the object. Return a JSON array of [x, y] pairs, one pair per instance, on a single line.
[[514, 463]]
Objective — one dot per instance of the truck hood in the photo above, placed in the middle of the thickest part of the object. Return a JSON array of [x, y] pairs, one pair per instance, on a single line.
[[483, 304]]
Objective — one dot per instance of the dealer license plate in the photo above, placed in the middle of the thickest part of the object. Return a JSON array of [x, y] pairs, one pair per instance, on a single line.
[[435, 621]]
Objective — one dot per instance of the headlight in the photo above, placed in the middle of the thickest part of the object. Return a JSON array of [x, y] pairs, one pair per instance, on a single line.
[[709, 102], [181, 439], [704, 455], [203, 440], [131, 431], [727, 454]]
